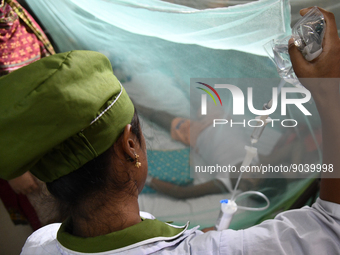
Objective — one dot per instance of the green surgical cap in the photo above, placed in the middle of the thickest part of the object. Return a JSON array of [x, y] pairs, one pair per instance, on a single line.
[[59, 113]]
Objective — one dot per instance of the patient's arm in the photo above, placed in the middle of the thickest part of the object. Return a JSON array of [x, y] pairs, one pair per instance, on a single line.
[[190, 191], [327, 99]]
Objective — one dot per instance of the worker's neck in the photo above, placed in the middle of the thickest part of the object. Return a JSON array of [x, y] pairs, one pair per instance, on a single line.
[[108, 217]]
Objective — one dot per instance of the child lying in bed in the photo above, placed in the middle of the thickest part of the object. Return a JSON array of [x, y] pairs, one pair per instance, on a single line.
[[280, 151]]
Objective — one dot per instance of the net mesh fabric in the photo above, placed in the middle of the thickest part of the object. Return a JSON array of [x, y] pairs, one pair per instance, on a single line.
[[155, 47]]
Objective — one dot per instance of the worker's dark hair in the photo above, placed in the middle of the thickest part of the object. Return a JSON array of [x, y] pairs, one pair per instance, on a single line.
[[90, 182]]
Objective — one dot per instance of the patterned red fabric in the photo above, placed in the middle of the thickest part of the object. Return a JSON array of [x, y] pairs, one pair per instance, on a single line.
[[19, 46]]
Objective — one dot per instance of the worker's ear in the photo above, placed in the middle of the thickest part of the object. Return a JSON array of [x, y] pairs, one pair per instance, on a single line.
[[129, 142]]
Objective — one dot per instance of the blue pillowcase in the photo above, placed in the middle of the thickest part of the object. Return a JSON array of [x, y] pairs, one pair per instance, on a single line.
[[170, 166]]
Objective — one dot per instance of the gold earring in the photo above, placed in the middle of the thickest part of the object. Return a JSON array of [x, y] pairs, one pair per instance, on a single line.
[[138, 164]]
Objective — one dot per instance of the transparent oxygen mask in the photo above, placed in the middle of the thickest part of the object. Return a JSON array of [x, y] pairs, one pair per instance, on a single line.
[[308, 35]]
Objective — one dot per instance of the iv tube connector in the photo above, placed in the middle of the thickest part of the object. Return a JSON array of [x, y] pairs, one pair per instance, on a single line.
[[228, 208]]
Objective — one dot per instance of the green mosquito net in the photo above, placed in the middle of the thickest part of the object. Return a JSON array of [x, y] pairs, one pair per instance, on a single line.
[[160, 50]]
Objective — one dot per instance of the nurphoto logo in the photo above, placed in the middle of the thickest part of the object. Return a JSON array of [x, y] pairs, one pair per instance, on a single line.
[[238, 107]]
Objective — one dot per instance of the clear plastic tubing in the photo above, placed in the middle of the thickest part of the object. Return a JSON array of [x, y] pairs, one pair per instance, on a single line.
[[263, 122], [255, 136], [251, 153]]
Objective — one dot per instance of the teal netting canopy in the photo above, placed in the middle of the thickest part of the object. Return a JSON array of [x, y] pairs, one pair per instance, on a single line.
[[155, 47]]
